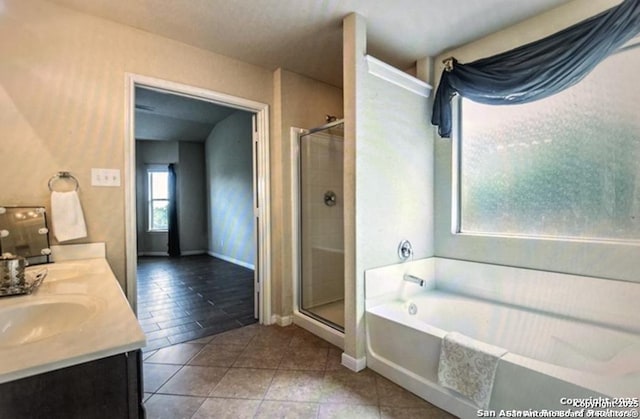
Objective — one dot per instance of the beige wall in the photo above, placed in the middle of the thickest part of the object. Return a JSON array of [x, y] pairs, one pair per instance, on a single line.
[[601, 259], [302, 103], [62, 86], [527, 31]]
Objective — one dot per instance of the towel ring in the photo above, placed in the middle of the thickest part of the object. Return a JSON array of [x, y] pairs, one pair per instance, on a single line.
[[63, 175]]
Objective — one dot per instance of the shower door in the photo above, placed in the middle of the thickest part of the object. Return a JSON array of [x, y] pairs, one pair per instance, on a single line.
[[321, 288]]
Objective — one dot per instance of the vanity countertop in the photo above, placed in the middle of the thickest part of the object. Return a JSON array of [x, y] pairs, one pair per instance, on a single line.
[[79, 314]]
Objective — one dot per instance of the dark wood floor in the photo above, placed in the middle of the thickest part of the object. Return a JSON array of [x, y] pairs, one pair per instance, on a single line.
[[186, 298]]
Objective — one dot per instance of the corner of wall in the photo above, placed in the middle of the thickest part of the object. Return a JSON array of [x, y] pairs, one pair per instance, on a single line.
[[281, 321], [425, 69], [354, 364], [277, 220], [354, 49]]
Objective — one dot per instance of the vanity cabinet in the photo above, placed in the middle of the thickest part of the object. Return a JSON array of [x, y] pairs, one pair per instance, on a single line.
[[71, 350], [107, 388]]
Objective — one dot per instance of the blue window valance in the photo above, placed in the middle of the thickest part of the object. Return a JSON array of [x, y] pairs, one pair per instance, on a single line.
[[539, 69]]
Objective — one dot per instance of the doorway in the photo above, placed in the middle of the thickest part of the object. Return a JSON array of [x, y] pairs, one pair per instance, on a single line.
[[260, 181]]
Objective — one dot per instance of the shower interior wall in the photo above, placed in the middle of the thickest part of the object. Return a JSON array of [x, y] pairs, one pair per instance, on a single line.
[[321, 156]]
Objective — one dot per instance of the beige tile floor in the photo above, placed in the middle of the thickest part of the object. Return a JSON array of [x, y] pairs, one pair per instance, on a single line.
[[269, 372]]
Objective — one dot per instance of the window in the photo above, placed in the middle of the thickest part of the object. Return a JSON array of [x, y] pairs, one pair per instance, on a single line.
[[158, 189], [565, 166]]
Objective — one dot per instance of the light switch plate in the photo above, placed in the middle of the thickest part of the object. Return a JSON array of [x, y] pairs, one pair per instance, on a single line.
[[105, 177]]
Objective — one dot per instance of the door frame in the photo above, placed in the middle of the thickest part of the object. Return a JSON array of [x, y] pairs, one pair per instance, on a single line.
[[261, 181]]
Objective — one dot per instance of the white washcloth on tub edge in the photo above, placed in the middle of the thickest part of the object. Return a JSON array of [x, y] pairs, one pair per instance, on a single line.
[[469, 366], [66, 216]]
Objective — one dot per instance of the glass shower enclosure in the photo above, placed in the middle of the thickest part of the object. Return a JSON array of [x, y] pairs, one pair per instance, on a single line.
[[321, 206]]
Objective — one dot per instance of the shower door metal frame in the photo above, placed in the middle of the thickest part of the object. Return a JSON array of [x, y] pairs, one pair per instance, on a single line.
[[298, 220], [323, 127]]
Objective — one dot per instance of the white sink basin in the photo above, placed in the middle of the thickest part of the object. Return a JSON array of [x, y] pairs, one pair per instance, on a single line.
[[32, 321]]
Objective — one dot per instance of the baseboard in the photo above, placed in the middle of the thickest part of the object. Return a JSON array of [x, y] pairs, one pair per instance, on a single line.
[[182, 253], [354, 364], [232, 260], [193, 252], [153, 254], [281, 320]]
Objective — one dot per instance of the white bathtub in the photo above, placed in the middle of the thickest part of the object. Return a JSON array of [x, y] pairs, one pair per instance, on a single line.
[[550, 355]]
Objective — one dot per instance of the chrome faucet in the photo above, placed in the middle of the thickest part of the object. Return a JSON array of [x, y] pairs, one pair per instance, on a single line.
[[413, 279]]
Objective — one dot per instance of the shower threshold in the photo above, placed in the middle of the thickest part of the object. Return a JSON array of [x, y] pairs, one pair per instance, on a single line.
[[331, 314]]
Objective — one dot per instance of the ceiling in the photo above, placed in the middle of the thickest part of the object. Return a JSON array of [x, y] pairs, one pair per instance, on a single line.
[[305, 36], [168, 117]]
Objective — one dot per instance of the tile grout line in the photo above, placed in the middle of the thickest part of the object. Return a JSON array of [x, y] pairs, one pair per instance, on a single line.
[[375, 379]]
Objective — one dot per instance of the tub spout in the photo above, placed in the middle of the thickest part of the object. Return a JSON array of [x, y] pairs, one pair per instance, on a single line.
[[414, 279]]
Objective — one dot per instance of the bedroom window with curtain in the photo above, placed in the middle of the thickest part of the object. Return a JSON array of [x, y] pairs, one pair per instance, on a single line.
[[158, 198], [564, 166]]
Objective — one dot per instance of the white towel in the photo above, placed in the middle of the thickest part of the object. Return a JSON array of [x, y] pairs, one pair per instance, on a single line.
[[468, 366], [66, 216]]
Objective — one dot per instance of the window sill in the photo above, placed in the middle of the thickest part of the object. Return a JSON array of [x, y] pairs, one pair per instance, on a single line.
[[595, 240]]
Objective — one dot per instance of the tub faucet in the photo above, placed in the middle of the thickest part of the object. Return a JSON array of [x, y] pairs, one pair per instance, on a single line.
[[414, 279]]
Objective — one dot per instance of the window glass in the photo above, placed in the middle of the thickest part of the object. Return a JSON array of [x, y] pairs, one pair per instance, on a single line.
[[158, 200], [565, 166]]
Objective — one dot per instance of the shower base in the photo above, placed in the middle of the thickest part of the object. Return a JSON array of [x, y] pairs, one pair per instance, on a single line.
[[333, 312]]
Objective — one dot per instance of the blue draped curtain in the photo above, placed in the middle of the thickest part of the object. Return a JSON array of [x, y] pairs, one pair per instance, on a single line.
[[539, 69], [174, 235]]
